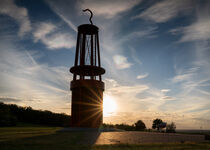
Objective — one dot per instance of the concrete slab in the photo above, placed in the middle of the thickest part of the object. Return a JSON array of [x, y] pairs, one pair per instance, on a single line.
[[146, 137], [97, 136]]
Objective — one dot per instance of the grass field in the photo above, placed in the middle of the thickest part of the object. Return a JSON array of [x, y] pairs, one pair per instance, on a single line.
[[38, 138]]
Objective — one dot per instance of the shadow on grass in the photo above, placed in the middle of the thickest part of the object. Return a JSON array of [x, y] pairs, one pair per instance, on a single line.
[[53, 140]]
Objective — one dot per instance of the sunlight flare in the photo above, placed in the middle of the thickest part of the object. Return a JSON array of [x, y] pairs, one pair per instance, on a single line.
[[109, 106]]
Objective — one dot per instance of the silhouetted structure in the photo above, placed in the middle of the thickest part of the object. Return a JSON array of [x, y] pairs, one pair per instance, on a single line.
[[87, 86]]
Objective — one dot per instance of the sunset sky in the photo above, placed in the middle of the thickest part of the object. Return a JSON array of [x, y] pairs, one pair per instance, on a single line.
[[156, 54]]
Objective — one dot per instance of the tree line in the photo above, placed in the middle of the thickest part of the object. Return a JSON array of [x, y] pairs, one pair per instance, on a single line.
[[11, 114], [138, 126], [157, 125]]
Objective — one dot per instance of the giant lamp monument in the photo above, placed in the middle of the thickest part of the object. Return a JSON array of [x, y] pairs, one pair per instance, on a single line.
[[87, 86]]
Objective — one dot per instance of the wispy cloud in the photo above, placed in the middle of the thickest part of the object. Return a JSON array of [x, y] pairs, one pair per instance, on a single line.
[[147, 103], [165, 90], [121, 62], [149, 32], [137, 97], [47, 34], [197, 31], [182, 77], [8, 100], [135, 56], [39, 85], [165, 10], [59, 40], [193, 96], [125, 95], [42, 30], [20, 14], [185, 75], [68, 21], [142, 76], [193, 81], [64, 9], [108, 8]]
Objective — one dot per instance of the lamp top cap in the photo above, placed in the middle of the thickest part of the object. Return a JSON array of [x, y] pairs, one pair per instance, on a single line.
[[88, 29]]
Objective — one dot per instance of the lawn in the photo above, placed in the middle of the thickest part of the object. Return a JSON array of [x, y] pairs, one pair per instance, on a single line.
[[38, 138]]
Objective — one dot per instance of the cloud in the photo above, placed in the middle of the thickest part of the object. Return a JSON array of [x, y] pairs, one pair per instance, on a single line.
[[43, 29], [134, 56], [108, 28], [182, 77], [121, 62], [118, 90], [185, 75], [125, 96], [115, 88], [192, 94], [165, 10], [168, 98], [68, 21], [7, 100], [197, 31], [165, 90], [146, 33], [149, 32], [193, 81], [47, 34], [20, 14], [59, 40], [108, 8], [23, 78], [63, 9], [154, 104], [137, 97], [142, 76]]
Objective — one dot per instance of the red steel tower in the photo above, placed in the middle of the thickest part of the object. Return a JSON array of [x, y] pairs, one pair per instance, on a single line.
[[87, 86]]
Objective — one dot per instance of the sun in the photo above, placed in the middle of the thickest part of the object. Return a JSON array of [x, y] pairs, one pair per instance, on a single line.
[[109, 106]]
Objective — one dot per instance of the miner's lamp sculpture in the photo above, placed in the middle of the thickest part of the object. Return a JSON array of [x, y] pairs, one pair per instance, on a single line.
[[87, 86]]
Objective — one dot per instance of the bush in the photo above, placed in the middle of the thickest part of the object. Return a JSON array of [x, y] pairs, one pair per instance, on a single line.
[[156, 123], [140, 126], [171, 128]]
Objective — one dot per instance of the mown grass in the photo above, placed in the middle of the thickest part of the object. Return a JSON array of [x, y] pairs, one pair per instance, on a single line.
[[14, 133], [44, 138]]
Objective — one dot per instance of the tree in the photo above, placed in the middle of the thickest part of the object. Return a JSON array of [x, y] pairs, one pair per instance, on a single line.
[[171, 128], [139, 125], [125, 127], [10, 114], [156, 123], [6, 118]]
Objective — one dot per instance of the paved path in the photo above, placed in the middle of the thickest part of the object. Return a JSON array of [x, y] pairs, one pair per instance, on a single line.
[[139, 138], [93, 136]]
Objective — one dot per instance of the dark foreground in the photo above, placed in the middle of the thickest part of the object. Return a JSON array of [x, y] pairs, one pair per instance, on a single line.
[[49, 138]]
